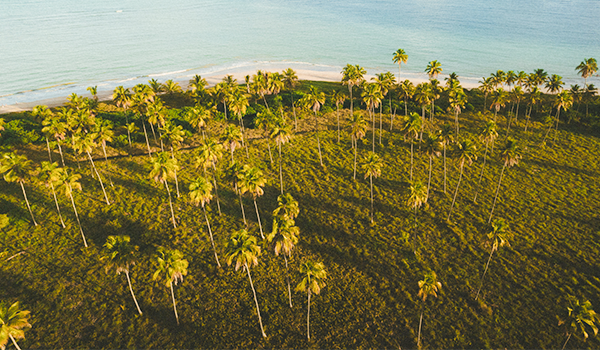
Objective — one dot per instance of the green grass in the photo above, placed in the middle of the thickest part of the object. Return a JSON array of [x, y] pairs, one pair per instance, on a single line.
[[550, 200]]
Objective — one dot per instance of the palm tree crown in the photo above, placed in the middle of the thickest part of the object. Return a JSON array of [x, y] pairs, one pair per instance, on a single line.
[[12, 324]]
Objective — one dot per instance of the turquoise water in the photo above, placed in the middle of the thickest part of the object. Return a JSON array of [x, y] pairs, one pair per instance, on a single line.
[[53, 48]]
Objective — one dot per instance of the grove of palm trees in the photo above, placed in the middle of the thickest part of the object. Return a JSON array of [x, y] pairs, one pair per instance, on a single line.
[[280, 213]]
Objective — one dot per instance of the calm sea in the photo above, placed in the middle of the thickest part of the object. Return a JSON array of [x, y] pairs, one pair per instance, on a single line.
[[53, 48]]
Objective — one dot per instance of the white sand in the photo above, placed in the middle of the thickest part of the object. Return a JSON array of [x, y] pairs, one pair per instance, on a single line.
[[212, 79]]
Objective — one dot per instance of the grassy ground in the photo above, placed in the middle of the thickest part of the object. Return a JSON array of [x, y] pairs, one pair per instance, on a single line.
[[550, 200]]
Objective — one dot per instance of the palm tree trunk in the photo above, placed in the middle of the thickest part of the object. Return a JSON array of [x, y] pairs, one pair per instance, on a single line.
[[415, 230], [49, 152], [57, 207], [242, 206], [216, 191], [419, 336], [484, 271], [27, 202], [258, 217], [422, 125], [174, 305], [17, 345], [127, 127], [106, 160], [280, 167], [211, 236], [411, 158], [481, 175], [496, 196], [429, 180], [264, 99], [405, 106], [338, 121], [373, 127], [269, 147], [318, 140], [352, 101], [256, 301], [175, 170], [380, 122], [77, 215], [355, 155], [563, 348], [287, 277], [444, 167], [153, 133], [62, 159], [371, 181], [557, 117], [131, 290], [294, 111], [308, 316], [99, 178], [456, 119], [170, 204], [455, 192], [146, 135]]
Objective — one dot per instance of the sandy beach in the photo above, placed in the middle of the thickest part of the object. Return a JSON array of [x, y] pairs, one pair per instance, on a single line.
[[214, 78]]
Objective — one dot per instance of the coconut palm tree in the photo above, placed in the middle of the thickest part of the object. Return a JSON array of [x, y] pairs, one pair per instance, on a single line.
[[417, 198], [242, 249], [433, 69], [500, 100], [252, 181], [48, 174], [174, 136], [338, 98], [411, 126], [122, 98], [564, 100], [104, 133], [156, 87], [57, 127], [386, 82], [554, 84], [313, 281], [260, 86], [434, 94], [534, 97], [486, 87], [498, 78], [171, 267], [198, 117], [588, 94], [17, 168], [231, 137], [163, 168], [352, 76], [233, 174], [464, 152], [510, 154], [47, 115], [120, 254], [290, 80], [85, 143], [265, 121], [400, 57], [238, 104], [287, 207], [371, 96], [201, 194], [67, 183], [580, 315], [445, 137], [172, 87], [516, 96], [428, 286], [423, 95], [314, 99], [407, 90], [358, 126], [197, 84], [498, 238], [586, 69], [457, 99], [432, 145], [372, 168], [284, 236], [487, 135], [12, 324], [210, 153], [282, 133]]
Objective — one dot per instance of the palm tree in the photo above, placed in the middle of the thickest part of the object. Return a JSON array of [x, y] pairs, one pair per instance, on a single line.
[[48, 174], [290, 79], [385, 81], [428, 286], [231, 138], [487, 135], [173, 135], [417, 198], [200, 194], [510, 154], [198, 117], [588, 94], [284, 236], [457, 99], [287, 207], [372, 96], [500, 100], [85, 143], [338, 97], [265, 121], [423, 95], [282, 133], [498, 238], [12, 321], [171, 269], [120, 255], [432, 146], [313, 281], [210, 153], [516, 95], [407, 90], [352, 75], [445, 137], [534, 96], [242, 249], [464, 152], [260, 86], [486, 87], [67, 183], [47, 115], [313, 100], [400, 57], [238, 105], [233, 174], [587, 68], [372, 168], [359, 130], [172, 87], [164, 168], [157, 87], [122, 98], [433, 69], [564, 100], [197, 84], [554, 84], [56, 127], [252, 181], [434, 94], [498, 78], [411, 126], [580, 315], [104, 133], [94, 92], [17, 168]]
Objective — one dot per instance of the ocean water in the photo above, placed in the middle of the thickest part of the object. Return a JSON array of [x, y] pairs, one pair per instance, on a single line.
[[53, 48]]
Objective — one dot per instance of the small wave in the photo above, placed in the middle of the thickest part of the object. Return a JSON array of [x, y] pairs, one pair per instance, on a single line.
[[167, 73]]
